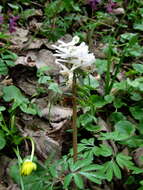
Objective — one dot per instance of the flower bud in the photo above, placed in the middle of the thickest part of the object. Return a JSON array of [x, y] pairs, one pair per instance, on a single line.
[[27, 167]]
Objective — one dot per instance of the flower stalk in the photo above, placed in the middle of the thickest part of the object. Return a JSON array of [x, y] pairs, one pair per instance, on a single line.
[[33, 149], [74, 119], [72, 57], [28, 165]]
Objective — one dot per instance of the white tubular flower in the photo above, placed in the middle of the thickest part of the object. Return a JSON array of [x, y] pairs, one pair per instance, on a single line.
[[71, 56]]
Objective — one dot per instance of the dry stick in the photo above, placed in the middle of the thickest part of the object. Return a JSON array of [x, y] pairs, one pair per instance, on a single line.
[[74, 118]]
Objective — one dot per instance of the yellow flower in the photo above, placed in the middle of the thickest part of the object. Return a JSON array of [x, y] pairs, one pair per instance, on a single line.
[[27, 167]]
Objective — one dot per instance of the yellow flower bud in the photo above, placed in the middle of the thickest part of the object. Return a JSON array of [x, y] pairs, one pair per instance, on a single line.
[[27, 167]]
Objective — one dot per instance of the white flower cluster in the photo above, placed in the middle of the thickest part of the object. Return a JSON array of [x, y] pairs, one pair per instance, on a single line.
[[71, 56]]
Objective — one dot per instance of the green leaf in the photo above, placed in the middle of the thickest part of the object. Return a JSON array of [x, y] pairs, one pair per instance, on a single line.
[[122, 85], [138, 67], [136, 96], [3, 35], [55, 88], [133, 142], [30, 109], [92, 176], [3, 68], [14, 173], [53, 8], [28, 13], [44, 79], [136, 112], [117, 116], [109, 98], [136, 170], [9, 63], [67, 180], [13, 6], [91, 82], [86, 119], [88, 141], [124, 161], [2, 108], [91, 167], [135, 51], [78, 181], [103, 150], [101, 65], [36, 185], [141, 188], [35, 180], [138, 26], [125, 128], [130, 180], [12, 93], [9, 55], [134, 83], [116, 170], [93, 128], [109, 136], [97, 101], [2, 141], [80, 164], [127, 36], [41, 71], [81, 147], [108, 170], [53, 171], [118, 103]]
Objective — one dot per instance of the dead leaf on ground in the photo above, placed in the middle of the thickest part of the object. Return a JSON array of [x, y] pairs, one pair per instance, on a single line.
[[44, 145], [39, 59], [2, 187], [103, 125], [119, 11], [6, 81], [18, 38], [137, 154], [34, 25], [13, 187], [35, 44], [56, 113], [44, 58]]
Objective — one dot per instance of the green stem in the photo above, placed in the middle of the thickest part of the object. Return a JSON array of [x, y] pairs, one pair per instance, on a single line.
[[18, 155], [19, 164], [33, 148], [12, 122], [115, 75], [74, 118], [4, 124], [21, 183]]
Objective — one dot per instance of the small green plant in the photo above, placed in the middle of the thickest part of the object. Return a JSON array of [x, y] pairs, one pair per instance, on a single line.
[[7, 59], [54, 26], [43, 78], [8, 133], [27, 165], [13, 94]]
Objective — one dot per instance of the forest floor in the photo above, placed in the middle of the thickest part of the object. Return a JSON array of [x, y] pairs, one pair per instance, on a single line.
[[36, 101]]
